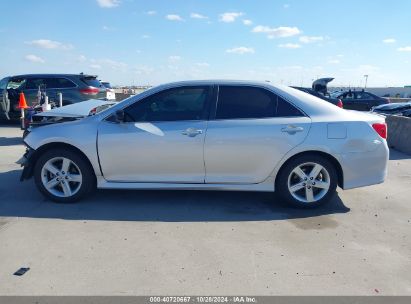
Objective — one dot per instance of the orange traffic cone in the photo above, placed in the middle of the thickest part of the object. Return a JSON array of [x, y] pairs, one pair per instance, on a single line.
[[22, 102]]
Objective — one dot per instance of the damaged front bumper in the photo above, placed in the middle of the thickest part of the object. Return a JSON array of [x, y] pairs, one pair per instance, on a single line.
[[26, 161]]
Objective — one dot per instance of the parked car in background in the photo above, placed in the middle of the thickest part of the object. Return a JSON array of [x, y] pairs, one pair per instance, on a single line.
[[397, 108], [257, 137], [74, 87], [110, 95], [334, 101], [359, 100]]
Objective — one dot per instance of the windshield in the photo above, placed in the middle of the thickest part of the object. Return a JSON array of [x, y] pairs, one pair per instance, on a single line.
[[16, 83], [92, 81]]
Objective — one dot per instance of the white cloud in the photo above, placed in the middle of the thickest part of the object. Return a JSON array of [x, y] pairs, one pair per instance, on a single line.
[[173, 17], [34, 58], [174, 59], [311, 39], [151, 13], [230, 17], [241, 50], [389, 40], [278, 32], [333, 61], [108, 3], [289, 46], [145, 70], [405, 49], [107, 28], [247, 22], [95, 66], [197, 16], [145, 36], [50, 44], [203, 64], [286, 6], [81, 58]]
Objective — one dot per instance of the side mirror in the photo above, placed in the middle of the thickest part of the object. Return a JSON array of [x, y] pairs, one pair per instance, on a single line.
[[119, 116]]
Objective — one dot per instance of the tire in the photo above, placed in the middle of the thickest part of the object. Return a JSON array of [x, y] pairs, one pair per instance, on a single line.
[[297, 180], [64, 187]]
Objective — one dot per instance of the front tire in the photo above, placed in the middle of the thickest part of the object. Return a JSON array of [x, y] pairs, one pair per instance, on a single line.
[[307, 181], [63, 176]]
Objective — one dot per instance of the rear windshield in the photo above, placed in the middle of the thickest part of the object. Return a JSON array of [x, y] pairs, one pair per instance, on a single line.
[[107, 85], [91, 81]]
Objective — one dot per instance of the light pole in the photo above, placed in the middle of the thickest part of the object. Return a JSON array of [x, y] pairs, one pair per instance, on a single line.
[[366, 80]]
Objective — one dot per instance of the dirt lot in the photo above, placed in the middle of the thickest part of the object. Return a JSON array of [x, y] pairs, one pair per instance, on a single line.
[[209, 243]]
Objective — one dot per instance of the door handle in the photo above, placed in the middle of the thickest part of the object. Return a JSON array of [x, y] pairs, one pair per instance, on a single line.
[[290, 129], [191, 132]]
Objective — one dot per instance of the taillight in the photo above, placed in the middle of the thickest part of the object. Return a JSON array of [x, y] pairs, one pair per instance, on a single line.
[[340, 104], [90, 91], [381, 129]]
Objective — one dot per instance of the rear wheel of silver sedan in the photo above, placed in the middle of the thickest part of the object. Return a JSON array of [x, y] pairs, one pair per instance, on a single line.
[[307, 181], [63, 176]]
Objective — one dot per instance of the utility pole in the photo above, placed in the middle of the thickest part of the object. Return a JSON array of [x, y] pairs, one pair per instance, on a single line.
[[366, 80]]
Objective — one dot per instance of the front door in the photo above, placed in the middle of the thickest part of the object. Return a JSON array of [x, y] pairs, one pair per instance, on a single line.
[[160, 140], [4, 99]]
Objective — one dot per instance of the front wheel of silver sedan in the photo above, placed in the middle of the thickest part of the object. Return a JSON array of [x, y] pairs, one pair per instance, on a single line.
[[63, 176], [307, 181]]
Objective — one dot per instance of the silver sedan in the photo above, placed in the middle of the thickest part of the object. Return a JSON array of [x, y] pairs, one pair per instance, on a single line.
[[211, 135]]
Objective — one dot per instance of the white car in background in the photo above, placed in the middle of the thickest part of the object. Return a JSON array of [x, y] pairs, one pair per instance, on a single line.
[[110, 95], [212, 135]]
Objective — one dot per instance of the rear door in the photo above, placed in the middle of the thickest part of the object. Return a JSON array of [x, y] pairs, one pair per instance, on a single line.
[[56, 85], [250, 132], [364, 101]]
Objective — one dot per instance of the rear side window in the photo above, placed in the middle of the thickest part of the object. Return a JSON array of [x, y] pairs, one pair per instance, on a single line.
[[91, 81], [236, 102], [35, 83], [59, 83]]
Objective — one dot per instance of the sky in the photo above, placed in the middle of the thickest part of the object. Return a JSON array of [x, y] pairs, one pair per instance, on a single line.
[[136, 42]]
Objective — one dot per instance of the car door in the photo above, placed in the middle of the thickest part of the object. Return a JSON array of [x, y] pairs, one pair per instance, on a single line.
[[348, 100], [4, 99], [31, 89], [250, 133], [160, 140], [364, 101]]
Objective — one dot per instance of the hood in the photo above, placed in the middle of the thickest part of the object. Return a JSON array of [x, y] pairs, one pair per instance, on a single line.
[[80, 109]]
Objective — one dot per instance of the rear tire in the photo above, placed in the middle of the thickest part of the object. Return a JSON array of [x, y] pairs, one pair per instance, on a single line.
[[64, 176], [307, 181]]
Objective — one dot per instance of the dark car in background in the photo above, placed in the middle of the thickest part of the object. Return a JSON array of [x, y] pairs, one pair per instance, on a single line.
[[397, 108], [328, 98], [74, 88], [359, 100]]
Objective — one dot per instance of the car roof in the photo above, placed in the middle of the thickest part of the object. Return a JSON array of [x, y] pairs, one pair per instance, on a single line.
[[311, 105], [51, 75]]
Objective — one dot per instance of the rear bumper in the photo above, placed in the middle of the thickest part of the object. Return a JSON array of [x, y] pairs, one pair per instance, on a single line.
[[365, 168]]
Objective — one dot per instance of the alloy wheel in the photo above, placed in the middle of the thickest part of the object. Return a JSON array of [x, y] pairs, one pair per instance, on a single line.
[[309, 182], [61, 177]]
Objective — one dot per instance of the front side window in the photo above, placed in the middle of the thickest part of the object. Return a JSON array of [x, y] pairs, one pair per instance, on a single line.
[[363, 95], [185, 103], [237, 102], [35, 83]]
